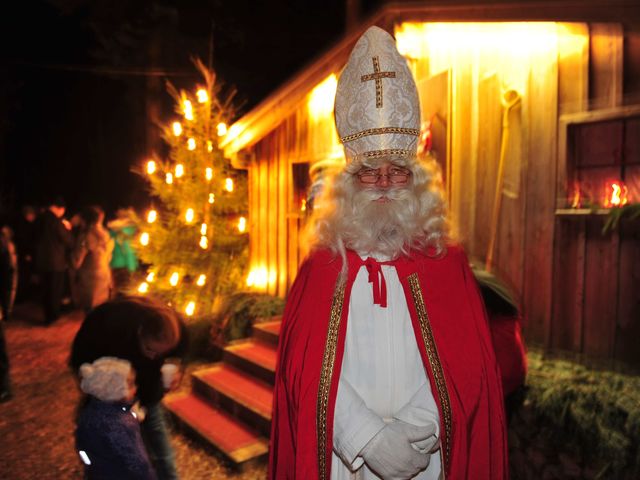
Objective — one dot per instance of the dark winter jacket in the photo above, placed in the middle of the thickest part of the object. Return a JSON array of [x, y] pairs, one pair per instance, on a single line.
[[53, 243], [109, 442]]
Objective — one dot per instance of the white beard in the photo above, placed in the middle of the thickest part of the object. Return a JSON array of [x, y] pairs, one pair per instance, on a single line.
[[381, 229]]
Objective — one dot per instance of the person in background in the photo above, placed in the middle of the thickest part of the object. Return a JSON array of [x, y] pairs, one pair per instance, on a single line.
[[145, 332], [124, 261], [108, 436], [25, 240], [90, 259], [385, 366], [54, 241], [8, 282]]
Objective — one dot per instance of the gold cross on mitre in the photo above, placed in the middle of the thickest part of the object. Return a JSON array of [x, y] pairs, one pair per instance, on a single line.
[[377, 75]]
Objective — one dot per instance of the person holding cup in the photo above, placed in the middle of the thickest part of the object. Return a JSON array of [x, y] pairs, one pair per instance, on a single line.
[[146, 332]]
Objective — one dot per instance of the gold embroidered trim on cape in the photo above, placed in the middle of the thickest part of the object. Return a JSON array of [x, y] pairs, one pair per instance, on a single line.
[[434, 362], [326, 375], [380, 131]]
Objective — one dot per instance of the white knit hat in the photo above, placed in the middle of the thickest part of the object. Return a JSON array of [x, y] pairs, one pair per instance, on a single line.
[[377, 109], [106, 378]]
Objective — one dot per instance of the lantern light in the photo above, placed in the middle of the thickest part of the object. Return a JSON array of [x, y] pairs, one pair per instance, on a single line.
[[221, 129], [177, 129], [144, 239], [188, 110], [212, 198], [191, 144], [151, 277], [189, 215], [228, 184], [179, 170], [204, 242], [202, 95], [151, 167], [190, 309], [173, 280], [168, 178], [208, 173], [152, 216], [201, 280], [242, 224], [209, 146], [143, 287], [203, 229], [616, 195]]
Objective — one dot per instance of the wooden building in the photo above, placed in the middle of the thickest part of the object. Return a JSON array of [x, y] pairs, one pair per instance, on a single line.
[[538, 101]]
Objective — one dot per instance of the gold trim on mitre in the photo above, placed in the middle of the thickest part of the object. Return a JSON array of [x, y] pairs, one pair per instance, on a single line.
[[379, 131]]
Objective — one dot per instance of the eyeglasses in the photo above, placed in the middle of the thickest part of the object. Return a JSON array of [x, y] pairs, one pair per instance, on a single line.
[[396, 176]]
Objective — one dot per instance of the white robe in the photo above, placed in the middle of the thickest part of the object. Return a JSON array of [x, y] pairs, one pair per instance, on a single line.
[[382, 378]]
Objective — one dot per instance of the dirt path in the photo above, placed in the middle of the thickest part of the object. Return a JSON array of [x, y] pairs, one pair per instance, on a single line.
[[36, 426]]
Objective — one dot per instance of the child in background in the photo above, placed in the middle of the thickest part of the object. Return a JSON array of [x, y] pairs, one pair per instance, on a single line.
[[108, 435]]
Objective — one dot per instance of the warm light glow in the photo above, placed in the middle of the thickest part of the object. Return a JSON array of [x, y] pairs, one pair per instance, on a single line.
[[208, 173], [303, 205], [260, 277], [188, 110], [191, 144], [152, 216], [242, 224], [151, 276], [202, 95], [191, 308], [189, 215], [143, 287], [322, 97], [201, 280], [179, 170], [209, 146], [177, 129], [616, 195], [228, 184], [221, 129], [144, 239], [203, 229], [151, 167], [168, 178], [212, 198], [204, 242], [173, 280]]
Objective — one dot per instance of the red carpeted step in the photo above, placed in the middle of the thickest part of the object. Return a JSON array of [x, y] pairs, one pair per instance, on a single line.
[[253, 357], [235, 440], [244, 389], [267, 332]]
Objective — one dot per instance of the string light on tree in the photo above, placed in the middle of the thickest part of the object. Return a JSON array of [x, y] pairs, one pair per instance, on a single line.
[[143, 287], [144, 239], [190, 309], [242, 224], [151, 167], [198, 193]]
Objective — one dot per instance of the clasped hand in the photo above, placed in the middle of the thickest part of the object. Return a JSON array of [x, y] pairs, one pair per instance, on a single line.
[[390, 452]]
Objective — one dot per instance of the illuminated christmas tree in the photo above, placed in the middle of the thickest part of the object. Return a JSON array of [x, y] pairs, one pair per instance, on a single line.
[[194, 235]]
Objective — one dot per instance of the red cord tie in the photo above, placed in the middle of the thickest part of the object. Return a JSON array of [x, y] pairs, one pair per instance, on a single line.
[[376, 277]]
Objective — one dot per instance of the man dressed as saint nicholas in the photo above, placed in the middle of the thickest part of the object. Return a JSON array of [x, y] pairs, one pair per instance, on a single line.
[[385, 363]]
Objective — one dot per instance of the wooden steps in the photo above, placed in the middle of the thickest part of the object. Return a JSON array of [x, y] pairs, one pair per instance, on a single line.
[[229, 405]]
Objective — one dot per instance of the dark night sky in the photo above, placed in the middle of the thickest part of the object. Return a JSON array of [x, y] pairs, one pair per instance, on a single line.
[[72, 96]]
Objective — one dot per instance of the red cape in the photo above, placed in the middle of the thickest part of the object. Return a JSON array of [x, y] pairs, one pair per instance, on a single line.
[[453, 337]]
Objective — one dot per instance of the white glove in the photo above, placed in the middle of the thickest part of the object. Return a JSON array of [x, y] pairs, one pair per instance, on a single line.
[[390, 453]]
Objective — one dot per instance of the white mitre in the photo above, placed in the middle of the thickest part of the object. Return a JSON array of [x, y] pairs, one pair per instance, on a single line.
[[377, 109]]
